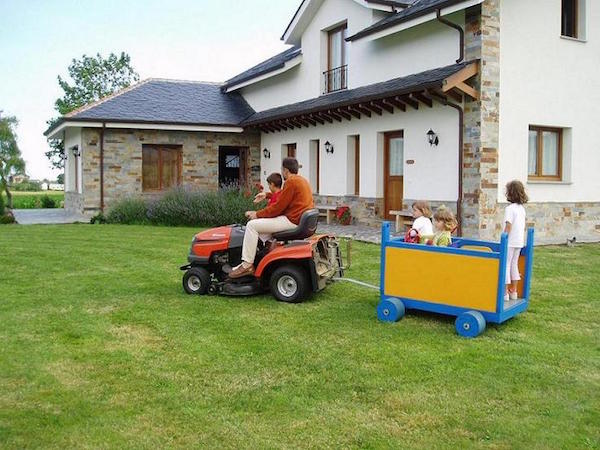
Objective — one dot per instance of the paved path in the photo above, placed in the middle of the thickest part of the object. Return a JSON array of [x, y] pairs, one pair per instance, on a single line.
[[46, 216]]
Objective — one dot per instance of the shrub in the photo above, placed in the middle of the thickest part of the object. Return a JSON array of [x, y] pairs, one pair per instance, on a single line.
[[2, 205], [98, 218], [186, 207], [7, 218], [47, 202], [131, 211]]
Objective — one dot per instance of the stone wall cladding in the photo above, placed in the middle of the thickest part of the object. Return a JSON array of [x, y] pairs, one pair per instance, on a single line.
[[365, 210], [123, 160], [481, 134], [73, 202]]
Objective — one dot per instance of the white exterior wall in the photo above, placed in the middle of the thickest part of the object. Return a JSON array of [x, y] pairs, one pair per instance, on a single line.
[[433, 176], [72, 138], [552, 81], [415, 50]]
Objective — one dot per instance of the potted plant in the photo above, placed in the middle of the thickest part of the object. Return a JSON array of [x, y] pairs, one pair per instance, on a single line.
[[343, 214]]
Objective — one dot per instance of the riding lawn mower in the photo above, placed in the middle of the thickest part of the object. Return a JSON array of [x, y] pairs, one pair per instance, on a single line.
[[300, 262]]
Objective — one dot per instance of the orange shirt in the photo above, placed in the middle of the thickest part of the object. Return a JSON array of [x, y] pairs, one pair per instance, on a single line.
[[295, 198]]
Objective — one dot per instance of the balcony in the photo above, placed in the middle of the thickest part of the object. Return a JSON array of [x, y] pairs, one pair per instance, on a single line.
[[335, 79]]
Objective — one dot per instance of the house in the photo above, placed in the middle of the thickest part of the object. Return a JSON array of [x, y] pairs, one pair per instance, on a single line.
[[383, 102]]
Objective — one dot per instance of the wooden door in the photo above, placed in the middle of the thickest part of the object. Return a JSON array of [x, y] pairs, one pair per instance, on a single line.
[[393, 171]]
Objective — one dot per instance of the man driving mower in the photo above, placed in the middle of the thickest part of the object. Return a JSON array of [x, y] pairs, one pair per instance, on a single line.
[[296, 198]]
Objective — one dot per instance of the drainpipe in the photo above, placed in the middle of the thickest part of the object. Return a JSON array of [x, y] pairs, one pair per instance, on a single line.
[[461, 129], [460, 31], [102, 167]]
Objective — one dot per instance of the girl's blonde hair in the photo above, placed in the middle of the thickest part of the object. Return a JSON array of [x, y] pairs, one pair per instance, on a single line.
[[515, 192], [423, 206], [443, 214]]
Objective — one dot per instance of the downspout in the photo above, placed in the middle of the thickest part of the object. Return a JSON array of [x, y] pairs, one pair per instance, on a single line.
[[102, 167], [460, 31], [461, 126]]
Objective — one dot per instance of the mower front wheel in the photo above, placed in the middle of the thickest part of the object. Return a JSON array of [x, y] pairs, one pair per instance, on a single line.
[[289, 284], [196, 281]]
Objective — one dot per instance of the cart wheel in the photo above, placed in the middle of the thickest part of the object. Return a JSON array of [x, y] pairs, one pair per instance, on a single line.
[[196, 280], [390, 310], [470, 324]]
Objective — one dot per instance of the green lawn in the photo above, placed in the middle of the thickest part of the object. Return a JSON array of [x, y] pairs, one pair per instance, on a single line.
[[31, 200], [100, 348]]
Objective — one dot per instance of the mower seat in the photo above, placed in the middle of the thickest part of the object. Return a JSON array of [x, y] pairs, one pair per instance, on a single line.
[[306, 227]]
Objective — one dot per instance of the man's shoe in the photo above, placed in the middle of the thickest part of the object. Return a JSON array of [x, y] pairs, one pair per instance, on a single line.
[[241, 271]]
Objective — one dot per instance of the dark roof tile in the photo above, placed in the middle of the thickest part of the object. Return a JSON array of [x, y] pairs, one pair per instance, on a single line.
[[271, 64]]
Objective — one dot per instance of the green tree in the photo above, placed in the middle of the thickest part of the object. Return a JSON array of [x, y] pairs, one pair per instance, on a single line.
[[60, 179], [94, 77], [11, 161]]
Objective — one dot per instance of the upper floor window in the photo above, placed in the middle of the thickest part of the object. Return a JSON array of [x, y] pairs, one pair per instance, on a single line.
[[545, 153], [573, 18], [336, 75]]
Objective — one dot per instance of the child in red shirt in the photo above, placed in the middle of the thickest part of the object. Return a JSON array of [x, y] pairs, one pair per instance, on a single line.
[[275, 182]]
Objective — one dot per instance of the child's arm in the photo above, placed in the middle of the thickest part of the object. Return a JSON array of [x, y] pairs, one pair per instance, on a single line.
[[507, 227]]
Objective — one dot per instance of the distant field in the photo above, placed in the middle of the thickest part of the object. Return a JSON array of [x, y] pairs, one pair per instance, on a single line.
[[31, 200]]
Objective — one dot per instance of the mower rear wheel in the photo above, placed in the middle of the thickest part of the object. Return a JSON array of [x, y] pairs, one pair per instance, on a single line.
[[289, 284], [196, 281]]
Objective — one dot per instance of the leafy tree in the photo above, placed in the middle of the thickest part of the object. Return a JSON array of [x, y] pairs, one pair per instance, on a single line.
[[60, 179], [11, 161], [94, 77]]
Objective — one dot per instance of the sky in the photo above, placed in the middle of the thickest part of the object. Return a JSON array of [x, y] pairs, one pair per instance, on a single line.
[[203, 40]]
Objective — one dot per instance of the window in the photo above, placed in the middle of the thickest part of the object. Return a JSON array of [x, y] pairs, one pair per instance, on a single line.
[[291, 150], [161, 167], [336, 75], [353, 165], [545, 153], [573, 18]]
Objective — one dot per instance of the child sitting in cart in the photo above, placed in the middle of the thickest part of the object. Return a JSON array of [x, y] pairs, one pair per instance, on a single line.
[[444, 223], [422, 226]]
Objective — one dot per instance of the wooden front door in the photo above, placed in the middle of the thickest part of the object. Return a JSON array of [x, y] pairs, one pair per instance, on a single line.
[[393, 171]]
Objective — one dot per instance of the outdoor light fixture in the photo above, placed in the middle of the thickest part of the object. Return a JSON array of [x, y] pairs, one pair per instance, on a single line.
[[328, 147], [432, 138], [76, 152], [266, 154]]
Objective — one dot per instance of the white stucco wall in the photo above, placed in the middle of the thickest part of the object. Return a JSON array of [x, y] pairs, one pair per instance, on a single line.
[[552, 81], [433, 176], [72, 138], [424, 47]]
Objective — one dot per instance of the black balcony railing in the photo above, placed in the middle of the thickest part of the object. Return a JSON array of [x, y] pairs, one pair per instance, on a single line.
[[335, 79]]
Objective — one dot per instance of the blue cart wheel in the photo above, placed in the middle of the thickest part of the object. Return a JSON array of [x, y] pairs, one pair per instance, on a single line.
[[390, 310], [470, 324]]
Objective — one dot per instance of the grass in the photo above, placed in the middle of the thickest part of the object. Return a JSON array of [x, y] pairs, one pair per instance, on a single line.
[[31, 200], [102, 349]]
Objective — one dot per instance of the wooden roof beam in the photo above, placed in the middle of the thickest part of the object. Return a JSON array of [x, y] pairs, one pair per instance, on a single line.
[[309, 120], [389, 108], [363, 110], [373, 108], [409, 101], [316, 118], [353, 111], [457, 81], [344, 114], [396, 103], [332, 114], [422, 98], [323, 115]]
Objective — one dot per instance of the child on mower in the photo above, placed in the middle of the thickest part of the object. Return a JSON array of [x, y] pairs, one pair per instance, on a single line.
[[275, 181]]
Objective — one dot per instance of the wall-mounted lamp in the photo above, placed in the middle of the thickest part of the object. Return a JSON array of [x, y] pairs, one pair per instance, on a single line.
[[266, 154], [432, 138], [328, 147], [75, 150]]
